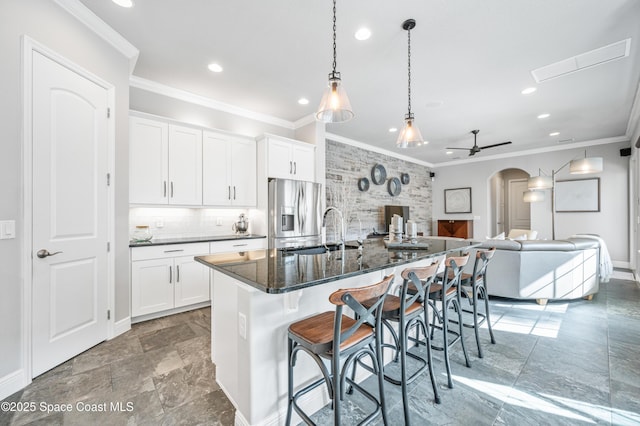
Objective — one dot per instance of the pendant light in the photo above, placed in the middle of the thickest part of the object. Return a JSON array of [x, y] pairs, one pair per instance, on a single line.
[[586, 165], [410, 136], [334, 106]]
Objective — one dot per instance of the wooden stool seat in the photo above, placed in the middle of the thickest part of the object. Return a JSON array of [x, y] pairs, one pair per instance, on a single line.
[[316, 332]]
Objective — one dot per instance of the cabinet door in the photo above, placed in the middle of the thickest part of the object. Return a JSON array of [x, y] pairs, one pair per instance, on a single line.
[[191, 282], [216, 167], [151, 286], [243, 172], [279, 161], [185, 166], [148, 161], [304, 162]]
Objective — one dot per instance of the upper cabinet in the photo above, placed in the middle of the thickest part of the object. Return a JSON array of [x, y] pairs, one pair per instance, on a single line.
[[165, 163], [229, 170], [289, 159]]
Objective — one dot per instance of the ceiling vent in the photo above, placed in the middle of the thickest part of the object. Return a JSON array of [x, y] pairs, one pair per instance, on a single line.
[[589, 59]]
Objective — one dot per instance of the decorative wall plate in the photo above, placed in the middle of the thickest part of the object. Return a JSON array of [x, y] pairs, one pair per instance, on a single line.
[[378, 174], [363, 184], [394, 187], [404, 178]]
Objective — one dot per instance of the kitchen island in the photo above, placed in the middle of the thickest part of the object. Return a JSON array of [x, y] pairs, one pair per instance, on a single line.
[[257, 294]]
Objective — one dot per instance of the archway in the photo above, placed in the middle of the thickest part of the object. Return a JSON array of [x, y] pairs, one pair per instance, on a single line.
[[507, 209]]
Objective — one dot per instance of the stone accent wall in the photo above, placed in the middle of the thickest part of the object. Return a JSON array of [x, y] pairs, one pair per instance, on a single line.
[[345, 164]]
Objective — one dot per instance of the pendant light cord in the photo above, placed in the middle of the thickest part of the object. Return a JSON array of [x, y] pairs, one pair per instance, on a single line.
[[409, 68], [334, 37]]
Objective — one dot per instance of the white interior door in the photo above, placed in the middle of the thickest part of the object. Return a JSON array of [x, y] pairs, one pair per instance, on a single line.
[[519, 211], [69, 239]]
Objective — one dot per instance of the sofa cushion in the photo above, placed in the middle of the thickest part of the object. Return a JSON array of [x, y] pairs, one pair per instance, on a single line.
[[584, 243], [547, 245], [502, 244]]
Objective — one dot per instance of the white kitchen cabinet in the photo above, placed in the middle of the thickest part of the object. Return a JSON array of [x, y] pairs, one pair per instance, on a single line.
[[290, 159], [165, 163], [229, 170], [167, 277]]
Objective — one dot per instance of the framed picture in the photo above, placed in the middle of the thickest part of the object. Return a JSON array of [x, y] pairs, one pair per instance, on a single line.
[[580, 195], [457, 200]]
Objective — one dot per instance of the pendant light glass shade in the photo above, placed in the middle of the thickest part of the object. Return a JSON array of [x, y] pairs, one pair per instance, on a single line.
[[540, 182], [586, 165], [334, 106], [533, 196], [410, 136]]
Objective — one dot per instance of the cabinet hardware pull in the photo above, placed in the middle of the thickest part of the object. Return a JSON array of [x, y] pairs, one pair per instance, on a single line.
[[171, 189], [173, 251], [229, 187], [164, 192], [234, 192], [240, 245], [170, 275], [178, 273], [290, 167], [295, 167]]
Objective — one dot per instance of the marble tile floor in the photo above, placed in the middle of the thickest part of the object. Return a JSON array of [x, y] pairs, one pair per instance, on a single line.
[[565, 363]]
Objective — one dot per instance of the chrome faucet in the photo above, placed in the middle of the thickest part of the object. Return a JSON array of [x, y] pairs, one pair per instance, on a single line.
[[342, 230]]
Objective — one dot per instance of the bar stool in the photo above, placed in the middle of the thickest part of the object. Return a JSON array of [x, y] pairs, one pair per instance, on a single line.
[[474, 288], [447, 292], [333, 336]]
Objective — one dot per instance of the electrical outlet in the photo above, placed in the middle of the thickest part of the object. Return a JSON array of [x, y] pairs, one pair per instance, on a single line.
[[242, 325], [218, 221], [159, 223]]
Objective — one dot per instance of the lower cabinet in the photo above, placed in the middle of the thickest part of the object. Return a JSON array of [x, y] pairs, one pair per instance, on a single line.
[[167, 277], [455, 228]]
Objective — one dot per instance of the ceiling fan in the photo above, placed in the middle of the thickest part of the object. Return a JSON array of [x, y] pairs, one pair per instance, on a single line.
[[476, 149]]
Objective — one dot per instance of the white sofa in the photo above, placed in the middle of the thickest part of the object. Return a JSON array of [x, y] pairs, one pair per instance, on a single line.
[[543, 270]]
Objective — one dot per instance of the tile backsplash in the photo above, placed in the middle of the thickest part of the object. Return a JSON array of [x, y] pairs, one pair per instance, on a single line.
[[171, 222]]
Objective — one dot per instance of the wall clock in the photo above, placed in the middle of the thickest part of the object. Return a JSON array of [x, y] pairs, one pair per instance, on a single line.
[[378, 174]]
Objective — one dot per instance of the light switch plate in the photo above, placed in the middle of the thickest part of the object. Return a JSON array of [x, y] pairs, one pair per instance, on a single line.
[[7, 229]]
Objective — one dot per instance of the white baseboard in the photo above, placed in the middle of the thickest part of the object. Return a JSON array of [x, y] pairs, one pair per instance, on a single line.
[[12, 383], [620, 264], [121, 326]]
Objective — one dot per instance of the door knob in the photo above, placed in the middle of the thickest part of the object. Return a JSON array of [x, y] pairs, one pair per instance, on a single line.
[[45, 253]]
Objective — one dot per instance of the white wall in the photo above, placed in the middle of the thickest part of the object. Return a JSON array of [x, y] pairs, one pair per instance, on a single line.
[[50, 25], [611, 223]]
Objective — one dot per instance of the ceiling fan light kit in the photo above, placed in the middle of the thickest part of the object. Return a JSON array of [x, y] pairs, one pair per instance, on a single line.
[[334, 106], [410, 136]]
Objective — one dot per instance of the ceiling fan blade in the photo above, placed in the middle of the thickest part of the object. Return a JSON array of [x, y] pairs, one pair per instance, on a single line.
[[495, 144], [466, 149]]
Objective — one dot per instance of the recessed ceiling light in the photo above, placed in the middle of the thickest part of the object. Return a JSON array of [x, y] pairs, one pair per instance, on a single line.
[[449, 152], [124, 3], [215, 67], [529, 90], [393, 130], [545, 115], [303, 101], [554, 134], [363, 34]]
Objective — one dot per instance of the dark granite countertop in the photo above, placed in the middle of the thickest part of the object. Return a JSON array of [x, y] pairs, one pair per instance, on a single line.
[[200, 239], [277, 271]]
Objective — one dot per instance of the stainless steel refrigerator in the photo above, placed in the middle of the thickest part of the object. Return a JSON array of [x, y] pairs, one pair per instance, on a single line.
[[294, 213]]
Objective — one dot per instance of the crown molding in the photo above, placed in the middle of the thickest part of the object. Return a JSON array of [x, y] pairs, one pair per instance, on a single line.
[[306, 120], [104, 31], [584, 144], [172, 92], [347, 141]]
